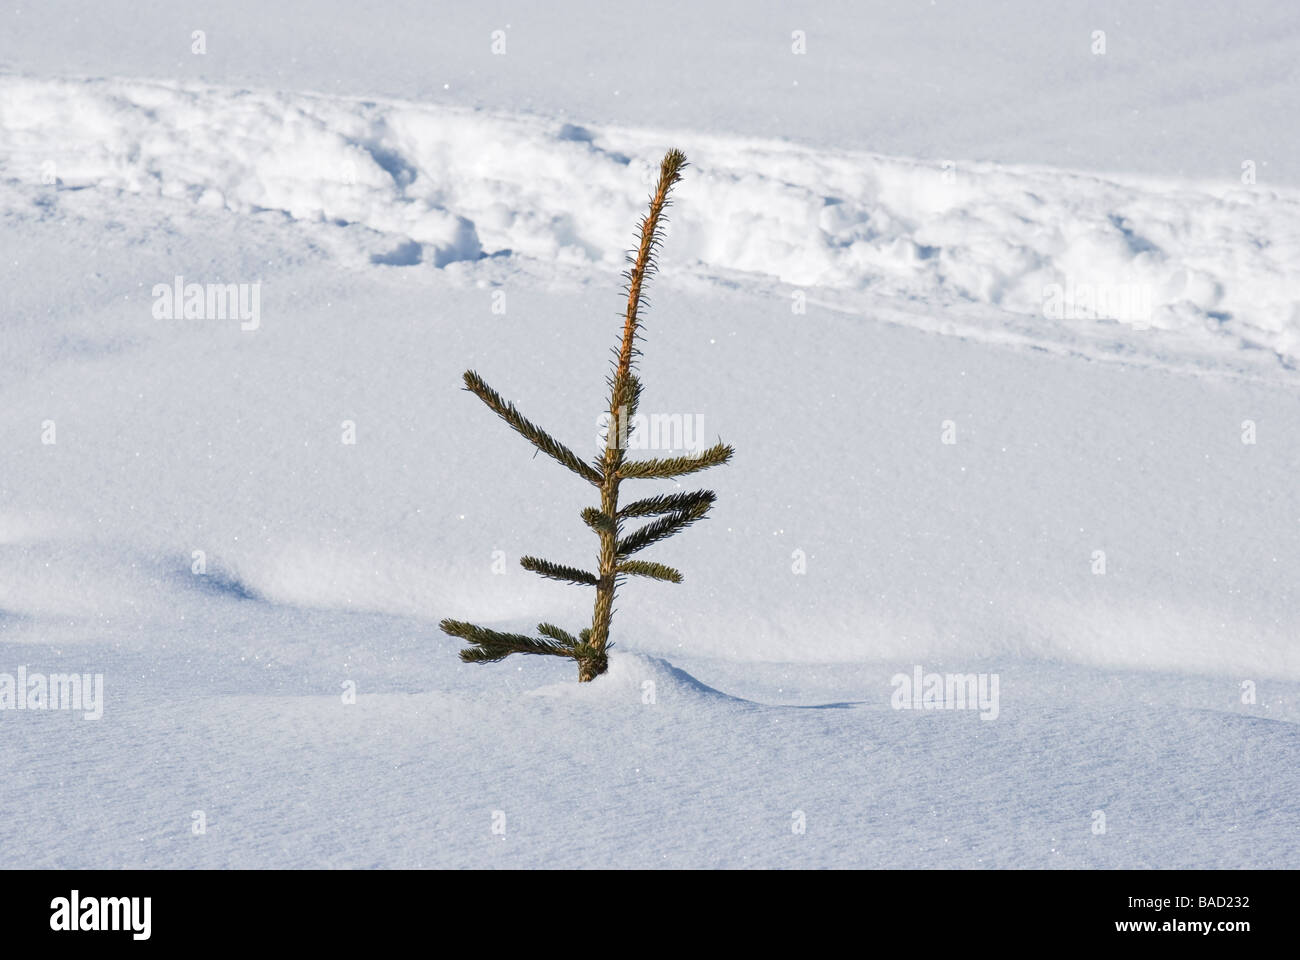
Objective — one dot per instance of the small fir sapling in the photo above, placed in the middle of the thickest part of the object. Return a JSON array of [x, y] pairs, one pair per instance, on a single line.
[[664, 515]]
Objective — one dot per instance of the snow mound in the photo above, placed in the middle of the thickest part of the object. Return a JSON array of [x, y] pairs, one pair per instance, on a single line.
[[441, 185], [636, 679]]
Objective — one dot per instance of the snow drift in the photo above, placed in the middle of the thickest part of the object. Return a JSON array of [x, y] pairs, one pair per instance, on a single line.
[[1212, 260]]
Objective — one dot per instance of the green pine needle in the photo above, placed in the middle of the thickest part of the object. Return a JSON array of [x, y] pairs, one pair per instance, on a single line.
[[660, 529], [558, 571], [599, 521], [534, 434], [555, 633], [492, 645], [672, 467], [655, 571], [668, 503]]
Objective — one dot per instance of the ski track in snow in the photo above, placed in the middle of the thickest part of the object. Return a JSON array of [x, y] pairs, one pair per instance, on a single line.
[[1213, 261]]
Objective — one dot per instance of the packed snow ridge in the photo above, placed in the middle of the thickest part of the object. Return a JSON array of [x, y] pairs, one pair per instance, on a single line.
[[445, 184]]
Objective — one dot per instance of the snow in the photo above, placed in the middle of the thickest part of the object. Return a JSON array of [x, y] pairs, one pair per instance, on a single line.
[[448, 185], [838, 291]]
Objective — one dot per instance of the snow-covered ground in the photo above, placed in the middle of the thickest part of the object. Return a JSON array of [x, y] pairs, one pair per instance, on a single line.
[[1076, 284]]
